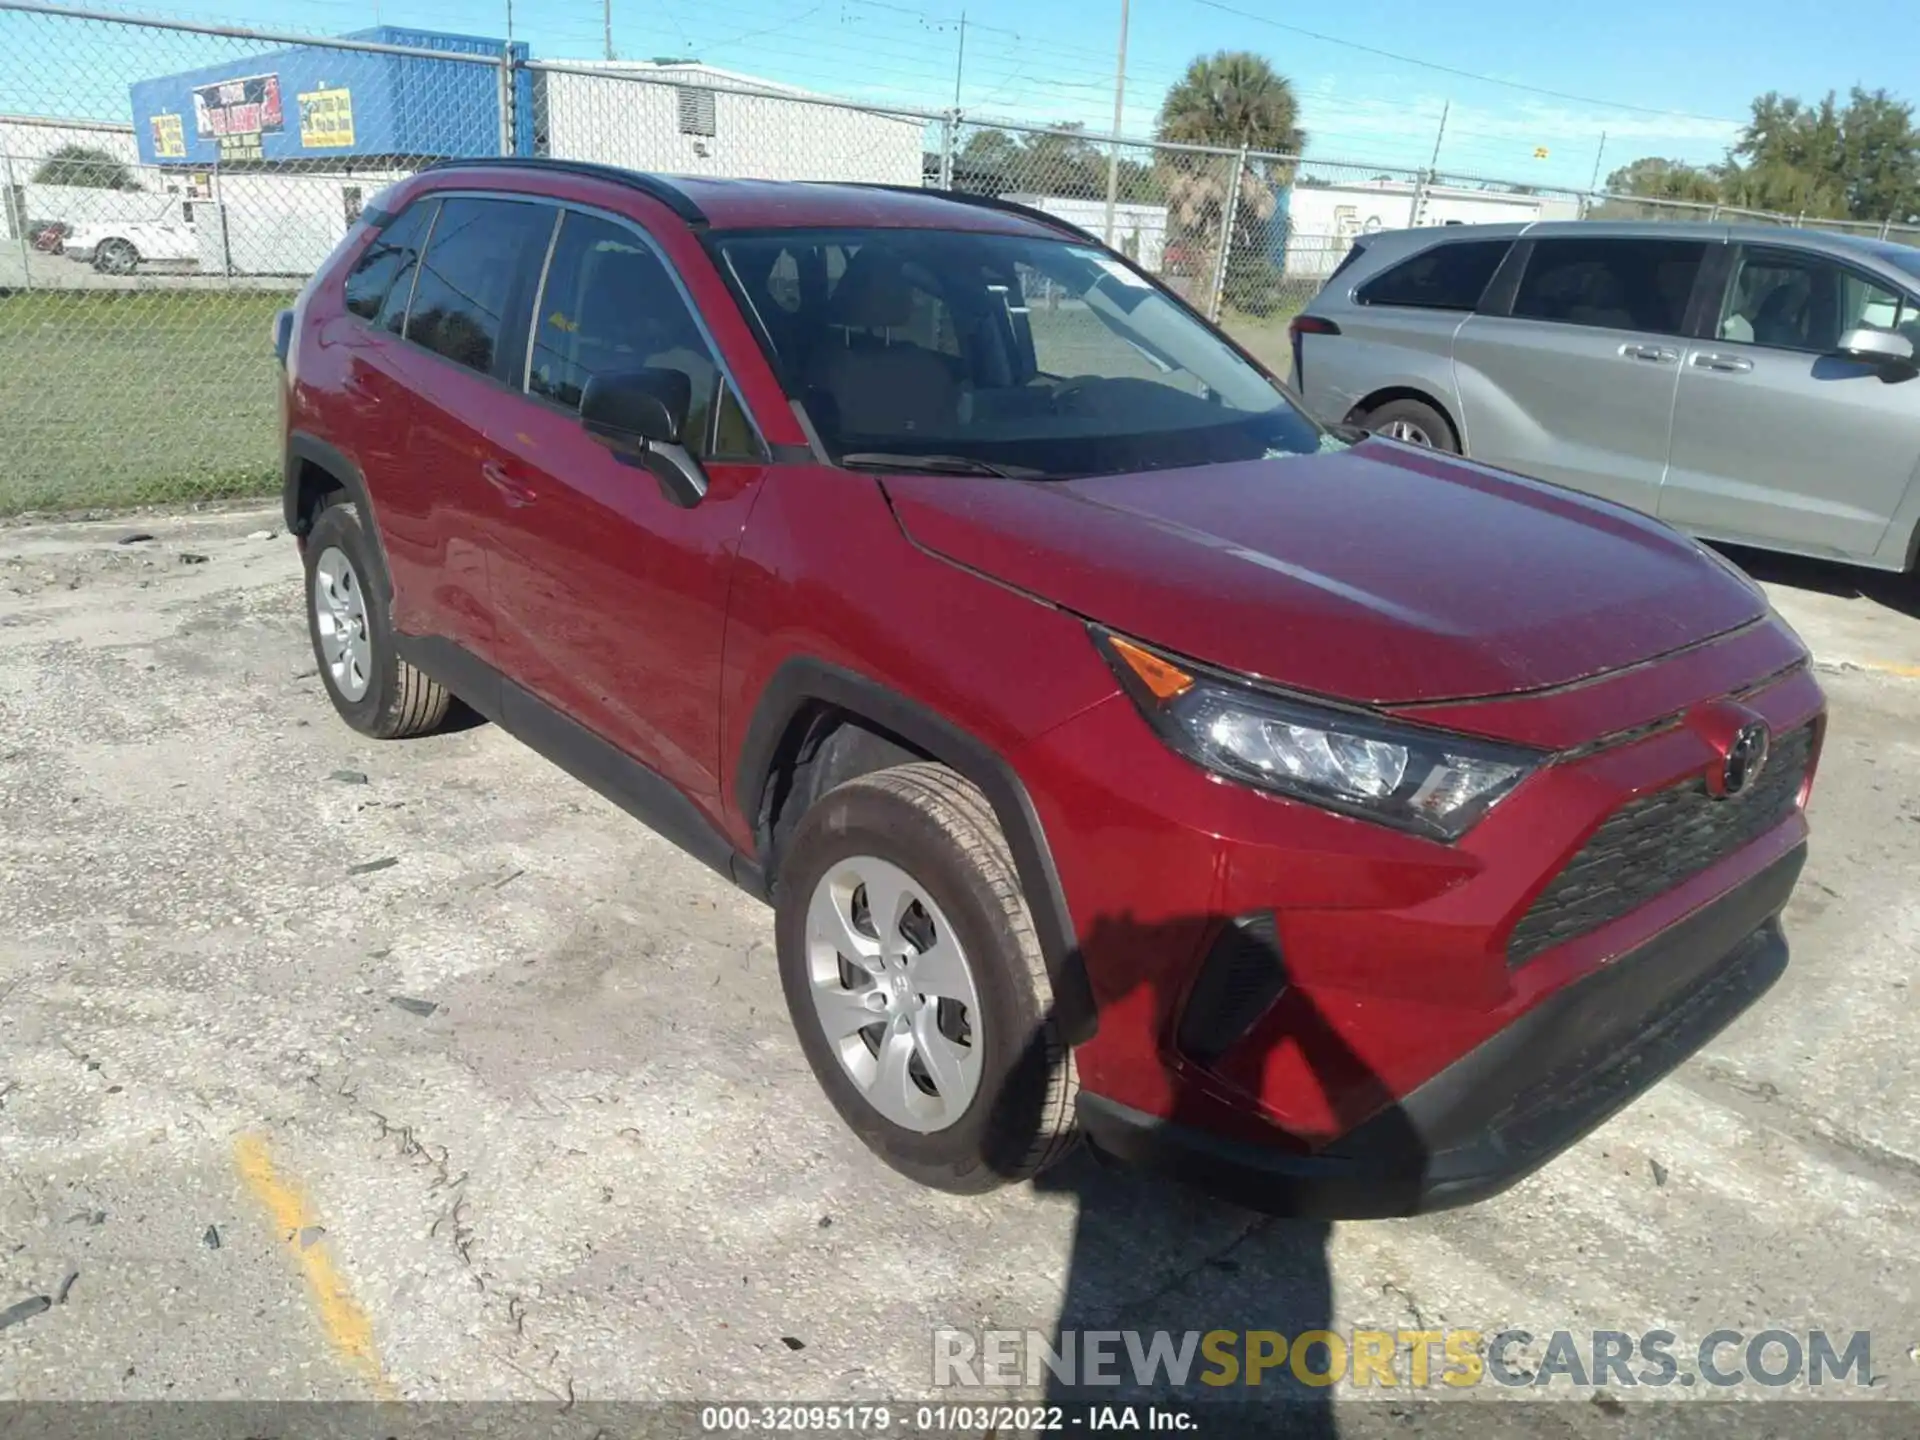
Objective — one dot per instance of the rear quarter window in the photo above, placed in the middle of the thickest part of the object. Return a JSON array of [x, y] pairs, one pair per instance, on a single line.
[[1617, 284], [1450, 276], [388, 257]]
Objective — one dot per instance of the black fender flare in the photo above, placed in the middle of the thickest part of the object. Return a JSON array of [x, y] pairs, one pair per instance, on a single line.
[[302, 449], [805, 681]]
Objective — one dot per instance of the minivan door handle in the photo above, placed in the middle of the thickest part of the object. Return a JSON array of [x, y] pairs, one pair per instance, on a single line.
[[1656, 354], [1729, 364]]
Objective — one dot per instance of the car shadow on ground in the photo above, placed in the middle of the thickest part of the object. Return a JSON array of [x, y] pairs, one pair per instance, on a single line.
[[1899, 593], [1151, 1254]]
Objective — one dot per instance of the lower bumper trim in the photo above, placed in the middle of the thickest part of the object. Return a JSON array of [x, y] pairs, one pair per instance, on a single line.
[[1510, 1105]]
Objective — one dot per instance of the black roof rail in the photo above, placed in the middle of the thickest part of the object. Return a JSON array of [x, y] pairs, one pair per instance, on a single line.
[[986, 202], [653, 186]]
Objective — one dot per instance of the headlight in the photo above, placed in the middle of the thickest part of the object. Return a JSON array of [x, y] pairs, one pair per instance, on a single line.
[[1427, 781]]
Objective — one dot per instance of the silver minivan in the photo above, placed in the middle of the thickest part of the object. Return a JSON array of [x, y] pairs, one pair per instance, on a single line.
[[1746, 384]]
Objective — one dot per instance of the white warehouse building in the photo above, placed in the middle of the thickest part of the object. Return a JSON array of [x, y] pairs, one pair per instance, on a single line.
[[1324, 220], [685, 118]]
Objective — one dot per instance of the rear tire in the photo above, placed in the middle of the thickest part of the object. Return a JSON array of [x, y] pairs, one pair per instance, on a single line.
[[1415, 422], [375, 691], [982, 1086], [117, 257]]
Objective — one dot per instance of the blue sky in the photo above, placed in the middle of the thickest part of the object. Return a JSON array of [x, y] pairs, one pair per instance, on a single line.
[[1658, 77]]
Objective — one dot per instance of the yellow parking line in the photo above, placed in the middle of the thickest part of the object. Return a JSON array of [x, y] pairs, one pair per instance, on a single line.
[[348, 1329], [1911, 672]]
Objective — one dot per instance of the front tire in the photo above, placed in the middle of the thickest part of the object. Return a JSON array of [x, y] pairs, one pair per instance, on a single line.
[[915, 983], [1414, 422], [375, 691]]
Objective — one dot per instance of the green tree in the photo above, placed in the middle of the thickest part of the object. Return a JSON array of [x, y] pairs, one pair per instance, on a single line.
[[1857, 161], [987, 161], [84, 165], [1232, 99], [1655, 179], [1064, 162]]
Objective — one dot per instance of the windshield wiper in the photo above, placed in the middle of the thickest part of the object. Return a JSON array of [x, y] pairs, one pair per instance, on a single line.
[[937, 465]]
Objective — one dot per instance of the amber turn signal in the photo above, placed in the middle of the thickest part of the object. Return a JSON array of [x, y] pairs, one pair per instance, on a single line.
[[1164, 680]]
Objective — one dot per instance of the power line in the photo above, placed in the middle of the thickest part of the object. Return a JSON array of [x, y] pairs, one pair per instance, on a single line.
[[1463, 74]]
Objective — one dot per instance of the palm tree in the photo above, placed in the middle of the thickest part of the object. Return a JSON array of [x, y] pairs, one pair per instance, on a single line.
[[1232, 99]]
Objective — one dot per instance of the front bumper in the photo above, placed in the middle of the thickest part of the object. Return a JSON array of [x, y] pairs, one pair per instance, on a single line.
[[1514, 1102], [82, 253]]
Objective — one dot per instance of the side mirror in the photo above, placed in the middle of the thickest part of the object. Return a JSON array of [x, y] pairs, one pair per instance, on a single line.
[[629, 406], [641, 415], [1888, 349]]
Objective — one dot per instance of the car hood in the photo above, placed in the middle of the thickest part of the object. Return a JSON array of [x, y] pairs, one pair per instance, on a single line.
[[1382, 574]]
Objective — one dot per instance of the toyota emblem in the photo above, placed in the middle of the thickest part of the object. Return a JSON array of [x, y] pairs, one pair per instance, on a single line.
[[1746, 757]]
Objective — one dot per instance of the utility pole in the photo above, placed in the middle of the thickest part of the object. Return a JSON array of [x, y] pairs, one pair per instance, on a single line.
[[960, 60], [509, 22], [1119, 104], [1431, 173], [1598, 156], [1440, 135], [606, 22]]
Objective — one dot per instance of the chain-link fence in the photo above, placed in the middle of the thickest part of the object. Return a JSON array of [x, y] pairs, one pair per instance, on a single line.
[[165, 187], [166, 190]]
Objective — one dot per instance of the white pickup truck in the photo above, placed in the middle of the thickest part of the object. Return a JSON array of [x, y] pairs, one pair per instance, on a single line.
[[119, 247]]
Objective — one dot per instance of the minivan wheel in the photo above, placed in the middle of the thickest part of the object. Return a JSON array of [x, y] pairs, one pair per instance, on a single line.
[[375, 691], [1415, 422], [117, 257], [916, 985]]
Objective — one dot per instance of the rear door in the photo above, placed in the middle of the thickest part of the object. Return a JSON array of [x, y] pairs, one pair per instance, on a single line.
[[1396, 331], [1778, 440], [1575, 381], [464, 333]]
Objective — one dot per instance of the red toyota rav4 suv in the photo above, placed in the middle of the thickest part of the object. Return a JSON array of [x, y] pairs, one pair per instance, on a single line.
[[1344, 826]]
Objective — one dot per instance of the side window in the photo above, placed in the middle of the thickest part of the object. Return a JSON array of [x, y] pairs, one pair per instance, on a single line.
[[1793, 301], [609, 305], [387, 263], [1617, 284], [479, 249], [1447, 277]]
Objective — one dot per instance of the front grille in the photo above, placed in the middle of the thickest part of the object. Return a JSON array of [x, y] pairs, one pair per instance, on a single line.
[[1652, 844]]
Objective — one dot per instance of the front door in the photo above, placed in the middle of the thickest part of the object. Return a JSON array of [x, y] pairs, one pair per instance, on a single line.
[[611, 597], [1778, 440], [1576, 385]]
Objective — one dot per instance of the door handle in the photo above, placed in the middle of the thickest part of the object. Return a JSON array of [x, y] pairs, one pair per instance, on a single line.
[[513, 491], [1727, 364], [1656, 354]]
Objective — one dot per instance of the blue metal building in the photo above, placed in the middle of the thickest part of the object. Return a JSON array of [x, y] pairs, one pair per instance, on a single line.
[[316, 103]]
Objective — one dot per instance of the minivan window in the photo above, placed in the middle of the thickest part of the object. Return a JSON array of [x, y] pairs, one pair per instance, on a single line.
[[388, 258], [479, 249], [1035, 354], [1618, 284], [1794, 301], [1446, 277], [609, 305]]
